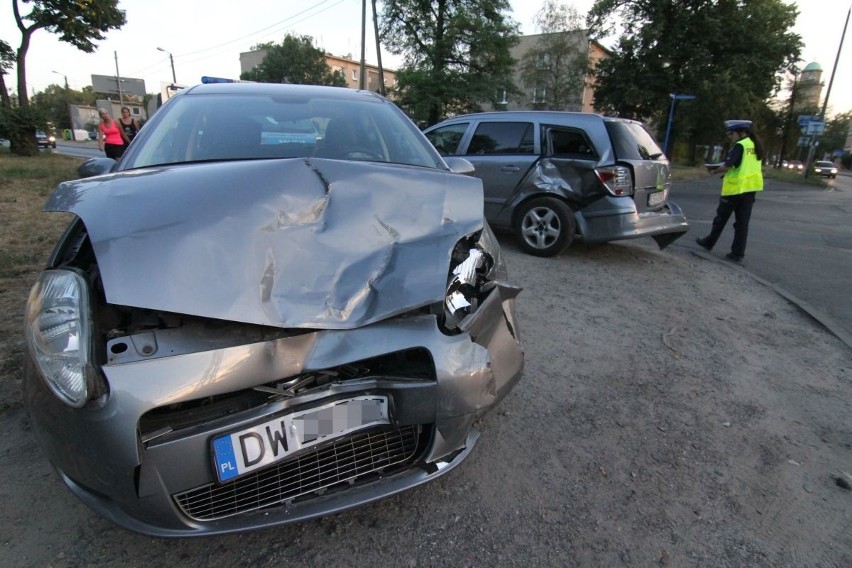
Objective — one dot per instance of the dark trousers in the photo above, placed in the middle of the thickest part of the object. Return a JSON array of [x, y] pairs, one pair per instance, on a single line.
[[740, 206]]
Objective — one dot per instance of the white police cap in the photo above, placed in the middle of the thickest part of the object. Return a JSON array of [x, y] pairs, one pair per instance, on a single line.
[[734, 125]]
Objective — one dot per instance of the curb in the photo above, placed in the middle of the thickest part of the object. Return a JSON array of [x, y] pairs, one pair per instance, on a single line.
[[819, 317]]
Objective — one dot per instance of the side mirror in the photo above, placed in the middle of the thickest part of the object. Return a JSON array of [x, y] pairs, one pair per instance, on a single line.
[[96, 167], [459, 166]]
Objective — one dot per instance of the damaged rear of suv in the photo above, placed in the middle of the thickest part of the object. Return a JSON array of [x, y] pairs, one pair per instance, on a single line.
[[552, 177]]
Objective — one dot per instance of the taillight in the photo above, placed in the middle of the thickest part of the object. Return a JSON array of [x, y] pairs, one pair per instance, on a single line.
[[616, 180]]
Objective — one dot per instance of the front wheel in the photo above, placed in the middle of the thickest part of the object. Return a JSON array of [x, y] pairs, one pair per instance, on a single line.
[[545, 226]]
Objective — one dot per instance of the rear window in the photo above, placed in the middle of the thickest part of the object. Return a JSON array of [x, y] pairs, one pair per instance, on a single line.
[[632, 141]]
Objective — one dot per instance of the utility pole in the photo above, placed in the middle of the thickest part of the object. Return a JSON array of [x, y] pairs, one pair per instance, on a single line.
[[67, 103], [378, 51], [827, 93], [172, 61], [361, 82], [118, 81]]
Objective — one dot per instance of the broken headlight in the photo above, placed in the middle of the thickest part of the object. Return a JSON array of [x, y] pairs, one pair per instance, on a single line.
[[57, 329], [476, 265]]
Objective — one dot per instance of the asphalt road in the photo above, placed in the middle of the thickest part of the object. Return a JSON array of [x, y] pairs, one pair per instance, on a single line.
[[800, 240], [82, 149]]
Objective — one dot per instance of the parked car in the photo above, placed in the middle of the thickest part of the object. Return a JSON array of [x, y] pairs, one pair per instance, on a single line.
[[553, 176], [234, 334], [825, 169], [44, 140]]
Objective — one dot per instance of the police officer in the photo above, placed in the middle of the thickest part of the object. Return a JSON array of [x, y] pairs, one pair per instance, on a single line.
[[743, 178]]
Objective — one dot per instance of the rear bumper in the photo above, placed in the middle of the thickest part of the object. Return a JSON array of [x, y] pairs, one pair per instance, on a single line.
[[616, 218]]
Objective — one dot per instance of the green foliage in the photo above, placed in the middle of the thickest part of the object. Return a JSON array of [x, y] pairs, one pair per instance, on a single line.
[[54, 101], [75, 22], [728, 54], [294, 61], [554, 69], [18, 125], [79, 23], [456, 54], [834, 137]]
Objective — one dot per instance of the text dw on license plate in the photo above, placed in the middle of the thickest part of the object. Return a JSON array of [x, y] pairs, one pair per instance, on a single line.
[[255, 447]]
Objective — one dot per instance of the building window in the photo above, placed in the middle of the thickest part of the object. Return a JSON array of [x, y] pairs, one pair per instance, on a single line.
[[354, 74]]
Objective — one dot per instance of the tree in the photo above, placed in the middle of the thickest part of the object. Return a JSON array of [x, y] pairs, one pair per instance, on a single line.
[[55, 100], [7, 59], [728, 54], [295, 61], [555, 68], [78, 23], [456, 54], [834, 138]]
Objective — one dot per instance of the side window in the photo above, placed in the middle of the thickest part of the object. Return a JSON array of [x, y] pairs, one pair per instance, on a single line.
[[446, 139], [566, 143], [502, 138]]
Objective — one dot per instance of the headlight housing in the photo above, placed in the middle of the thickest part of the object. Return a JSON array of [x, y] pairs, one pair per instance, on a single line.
[[475, 267], [58, 331]]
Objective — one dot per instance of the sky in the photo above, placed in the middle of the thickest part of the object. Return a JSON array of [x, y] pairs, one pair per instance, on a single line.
[[205, 37]]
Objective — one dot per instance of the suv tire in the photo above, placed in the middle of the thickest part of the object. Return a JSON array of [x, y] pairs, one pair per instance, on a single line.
[[545, 226]]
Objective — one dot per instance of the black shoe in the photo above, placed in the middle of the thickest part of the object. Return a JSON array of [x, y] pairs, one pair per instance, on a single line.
[[733, 257], [703, 244]]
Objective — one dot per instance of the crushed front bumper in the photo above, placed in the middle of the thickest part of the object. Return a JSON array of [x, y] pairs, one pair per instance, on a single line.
[[140, 480]]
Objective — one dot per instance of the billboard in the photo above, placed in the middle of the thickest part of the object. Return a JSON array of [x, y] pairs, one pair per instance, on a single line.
[[108, 84]]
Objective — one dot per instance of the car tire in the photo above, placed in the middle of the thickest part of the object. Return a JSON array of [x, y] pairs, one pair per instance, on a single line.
[[545, 226]]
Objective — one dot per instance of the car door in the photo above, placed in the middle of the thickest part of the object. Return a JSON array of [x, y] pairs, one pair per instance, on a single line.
[[502, 153], [569, 160]]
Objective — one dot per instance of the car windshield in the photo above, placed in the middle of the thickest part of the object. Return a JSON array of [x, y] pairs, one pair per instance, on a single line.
[[214, 127], [825, 164]]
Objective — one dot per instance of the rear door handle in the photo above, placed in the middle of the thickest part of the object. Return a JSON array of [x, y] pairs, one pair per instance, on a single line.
[[510, 169]]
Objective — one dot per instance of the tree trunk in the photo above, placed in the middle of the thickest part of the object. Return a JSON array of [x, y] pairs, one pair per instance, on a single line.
[[22, 142]]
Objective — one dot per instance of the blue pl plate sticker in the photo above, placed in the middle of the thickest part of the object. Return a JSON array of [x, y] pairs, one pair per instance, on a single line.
[[226, 461]]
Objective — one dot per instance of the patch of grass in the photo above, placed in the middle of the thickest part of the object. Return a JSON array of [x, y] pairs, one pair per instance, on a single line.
[[686, 173], [781, 174], [28, 235], [14, 264]]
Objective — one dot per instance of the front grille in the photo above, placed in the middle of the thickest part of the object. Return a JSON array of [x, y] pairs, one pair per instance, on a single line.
[[344, 460]]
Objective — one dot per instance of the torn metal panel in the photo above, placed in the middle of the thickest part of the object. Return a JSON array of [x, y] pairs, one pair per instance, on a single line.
[[286, 243]]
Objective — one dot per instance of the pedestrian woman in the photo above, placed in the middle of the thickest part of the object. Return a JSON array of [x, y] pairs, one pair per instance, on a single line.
[[128, 124], [111, 138], [742, 180]]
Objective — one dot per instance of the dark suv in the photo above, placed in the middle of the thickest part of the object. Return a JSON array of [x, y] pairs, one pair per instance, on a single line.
[[554, 176]]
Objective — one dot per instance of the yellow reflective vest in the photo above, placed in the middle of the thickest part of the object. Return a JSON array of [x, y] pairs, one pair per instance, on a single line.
[[748, 176]]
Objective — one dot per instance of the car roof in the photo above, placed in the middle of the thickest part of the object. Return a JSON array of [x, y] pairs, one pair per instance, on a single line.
[[272, 89], [540, 115]]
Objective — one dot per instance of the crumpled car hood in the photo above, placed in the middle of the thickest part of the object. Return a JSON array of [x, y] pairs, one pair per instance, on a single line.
[[286, 243]]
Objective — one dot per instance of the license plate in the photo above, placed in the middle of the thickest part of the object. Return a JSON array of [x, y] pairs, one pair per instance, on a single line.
[[656, 198], [258, 446]]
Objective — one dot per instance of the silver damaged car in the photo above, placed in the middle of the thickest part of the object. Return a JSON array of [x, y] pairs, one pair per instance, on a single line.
[[280, 303]]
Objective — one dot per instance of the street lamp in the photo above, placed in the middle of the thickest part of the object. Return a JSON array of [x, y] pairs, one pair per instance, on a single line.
[[675, 97], [64, 77], [172, 61]]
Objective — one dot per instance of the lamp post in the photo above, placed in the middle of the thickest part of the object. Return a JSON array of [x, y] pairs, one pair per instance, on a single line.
[[172, 61], [675, 97]]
